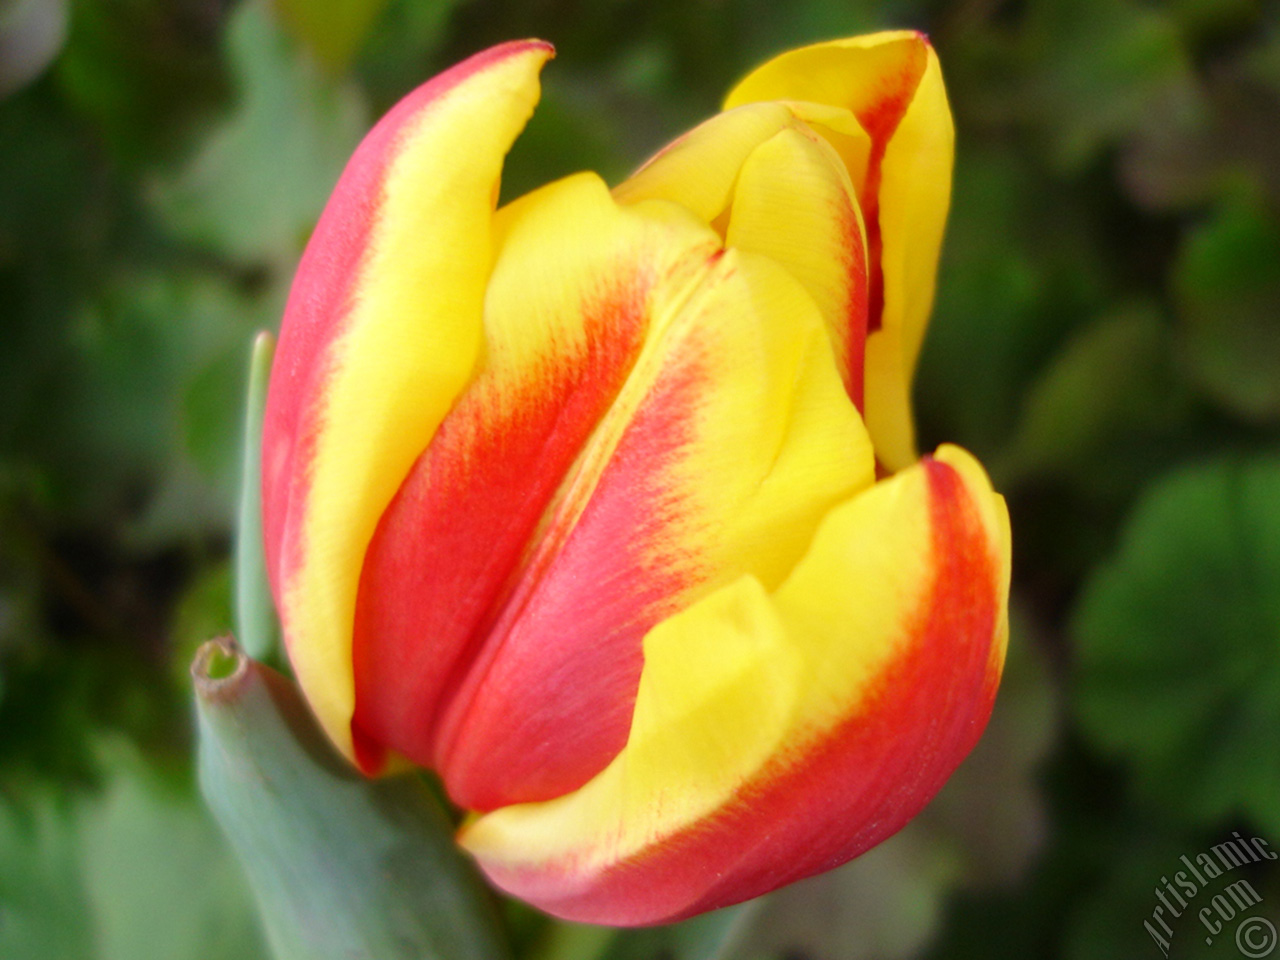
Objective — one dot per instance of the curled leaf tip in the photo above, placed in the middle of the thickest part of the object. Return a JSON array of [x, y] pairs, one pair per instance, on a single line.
[[219, 669]]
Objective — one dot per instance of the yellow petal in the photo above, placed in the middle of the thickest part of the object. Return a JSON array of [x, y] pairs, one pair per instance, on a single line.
[[892, 83], [410, 335], [794, 203], [698, 169]]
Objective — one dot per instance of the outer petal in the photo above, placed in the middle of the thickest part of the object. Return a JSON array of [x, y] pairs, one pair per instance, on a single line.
[[776, 737], [380, 334], [577, 284], [730, 441], [893, 85]]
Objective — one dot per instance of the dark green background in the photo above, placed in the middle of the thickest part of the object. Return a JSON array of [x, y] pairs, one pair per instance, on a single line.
[[1106, 340]]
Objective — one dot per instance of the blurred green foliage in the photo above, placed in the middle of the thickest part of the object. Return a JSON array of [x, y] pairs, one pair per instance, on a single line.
[[1106, 339]]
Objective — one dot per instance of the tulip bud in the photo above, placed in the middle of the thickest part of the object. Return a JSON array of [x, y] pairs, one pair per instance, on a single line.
[[589, 503]]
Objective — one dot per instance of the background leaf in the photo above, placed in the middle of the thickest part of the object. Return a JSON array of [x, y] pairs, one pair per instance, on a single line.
[[1227, 285], [137, 871], [1177, 639], [258, 183]]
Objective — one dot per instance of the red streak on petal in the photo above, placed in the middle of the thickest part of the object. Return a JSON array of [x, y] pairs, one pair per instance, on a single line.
[[880, 121], [858, 308], [549, 704], [449, 547]]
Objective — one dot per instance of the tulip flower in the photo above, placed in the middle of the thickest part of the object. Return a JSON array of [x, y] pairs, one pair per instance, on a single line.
[[605, 505]]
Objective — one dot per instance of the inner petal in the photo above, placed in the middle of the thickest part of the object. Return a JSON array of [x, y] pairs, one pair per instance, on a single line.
[[794, 203], [876, 81], [893, 84]]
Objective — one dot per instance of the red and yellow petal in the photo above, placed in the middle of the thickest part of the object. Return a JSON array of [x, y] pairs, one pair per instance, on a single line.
[[893, 85], [577, 284], [778, 734], [381, 334], [730, 441]]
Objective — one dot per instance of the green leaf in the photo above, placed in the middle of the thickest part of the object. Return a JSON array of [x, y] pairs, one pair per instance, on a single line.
[[343, 867], [1228, 294], [139, 398], [160, 883], [404, 38], [142, 74], [255, 613], [1018, 272], [135, 872], [1178, 645], [209, 434], [1109, 921], [1097, 69], [44, 910], [255, 188], [1112, 385]]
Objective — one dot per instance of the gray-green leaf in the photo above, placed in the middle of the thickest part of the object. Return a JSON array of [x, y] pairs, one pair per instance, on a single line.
[[343, 867]]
